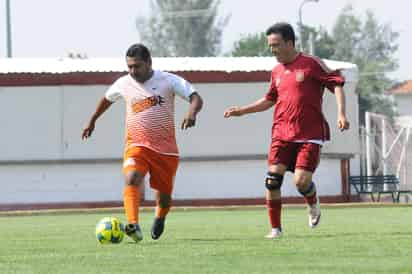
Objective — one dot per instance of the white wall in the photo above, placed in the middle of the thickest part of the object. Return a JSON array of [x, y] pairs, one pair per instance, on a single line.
[[234, 179], [347, 141], [251, 134], [45, 123], [30, 123], [47, 183], [404, 103], [107, 140]]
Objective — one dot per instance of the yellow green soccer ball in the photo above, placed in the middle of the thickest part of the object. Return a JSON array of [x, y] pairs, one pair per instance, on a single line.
[[109, 230]]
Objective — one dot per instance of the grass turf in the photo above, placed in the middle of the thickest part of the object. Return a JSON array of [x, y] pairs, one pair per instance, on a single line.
[[348, 240]]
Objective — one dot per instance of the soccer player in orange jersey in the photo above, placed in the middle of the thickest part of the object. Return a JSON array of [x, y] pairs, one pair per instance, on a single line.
[[299, 128], [150, 133]]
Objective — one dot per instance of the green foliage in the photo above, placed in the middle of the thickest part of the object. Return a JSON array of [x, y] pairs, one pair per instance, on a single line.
[[325, 44], [368, 44], [251, 45], [348, 240], [182, 28], [371, 46]]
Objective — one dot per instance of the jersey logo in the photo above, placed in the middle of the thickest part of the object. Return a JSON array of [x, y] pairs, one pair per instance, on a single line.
[[300, 75], [147, 103]]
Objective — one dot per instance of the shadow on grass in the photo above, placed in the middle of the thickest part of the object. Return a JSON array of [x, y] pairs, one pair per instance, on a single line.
[[211, 240], [187, 240], [363, 235]]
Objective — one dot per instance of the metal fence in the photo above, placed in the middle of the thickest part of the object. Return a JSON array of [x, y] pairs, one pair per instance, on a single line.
[[386, 148]]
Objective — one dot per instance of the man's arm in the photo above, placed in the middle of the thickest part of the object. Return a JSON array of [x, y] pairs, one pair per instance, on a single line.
[[102, 106], [196, 104], [258, 106], [342, 121]]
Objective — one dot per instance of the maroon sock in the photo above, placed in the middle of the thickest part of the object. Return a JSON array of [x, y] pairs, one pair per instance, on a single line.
[[309, 194], [310, 200], [274, 211]]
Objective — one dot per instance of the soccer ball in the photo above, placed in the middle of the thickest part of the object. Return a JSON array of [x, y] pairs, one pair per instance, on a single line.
[[109, 230]]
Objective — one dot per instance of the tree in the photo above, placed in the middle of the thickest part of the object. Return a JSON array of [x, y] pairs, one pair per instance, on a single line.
[[256, 44], [371, 46], [368, 44], [182, 28], [323, 42], [251, 45]]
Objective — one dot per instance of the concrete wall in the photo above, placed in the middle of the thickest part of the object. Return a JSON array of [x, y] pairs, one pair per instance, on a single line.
[[30, 121], [403, 104], [70, 182], [43, 123], [40, 145]]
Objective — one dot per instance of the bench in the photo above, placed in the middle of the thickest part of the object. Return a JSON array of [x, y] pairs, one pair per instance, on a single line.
[[375, 186]]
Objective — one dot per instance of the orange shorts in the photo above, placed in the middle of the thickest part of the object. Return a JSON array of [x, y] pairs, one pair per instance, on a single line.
[[162, 168]]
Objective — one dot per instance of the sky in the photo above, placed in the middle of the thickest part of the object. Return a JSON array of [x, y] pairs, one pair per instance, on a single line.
[[50, 28]]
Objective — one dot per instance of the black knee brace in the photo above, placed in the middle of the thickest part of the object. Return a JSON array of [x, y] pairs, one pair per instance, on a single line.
[[273, 181], [308, 190]]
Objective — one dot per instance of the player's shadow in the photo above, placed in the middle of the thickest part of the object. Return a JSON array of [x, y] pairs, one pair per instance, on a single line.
[[209, 240], [364, 234], [190, 240]]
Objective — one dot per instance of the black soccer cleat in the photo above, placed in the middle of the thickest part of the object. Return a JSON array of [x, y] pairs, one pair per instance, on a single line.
[[157, 228], [134, 232]]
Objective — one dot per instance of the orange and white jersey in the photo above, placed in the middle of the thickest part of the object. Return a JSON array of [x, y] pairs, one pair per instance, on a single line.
[[150, 109]]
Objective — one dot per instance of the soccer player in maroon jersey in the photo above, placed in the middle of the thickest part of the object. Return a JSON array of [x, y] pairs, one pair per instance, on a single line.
[[299, 128]]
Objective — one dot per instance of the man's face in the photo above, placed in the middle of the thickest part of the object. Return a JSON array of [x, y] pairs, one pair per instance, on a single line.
[[139, 69], [279, 47]]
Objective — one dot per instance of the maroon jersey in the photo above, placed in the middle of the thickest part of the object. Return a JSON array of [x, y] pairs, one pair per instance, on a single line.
[[298, 88]]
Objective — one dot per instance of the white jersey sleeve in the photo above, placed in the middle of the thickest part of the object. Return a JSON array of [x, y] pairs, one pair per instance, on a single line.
[[180, 86], [114, 92]]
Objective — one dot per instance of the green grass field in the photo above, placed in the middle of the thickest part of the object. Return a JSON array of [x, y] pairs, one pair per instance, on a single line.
[[348, 240]]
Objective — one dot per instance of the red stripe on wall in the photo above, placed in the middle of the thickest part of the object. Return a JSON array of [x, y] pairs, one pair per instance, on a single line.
[[107, 78], [197, 202]]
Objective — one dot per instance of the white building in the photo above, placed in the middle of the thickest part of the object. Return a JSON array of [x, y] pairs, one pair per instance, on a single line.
[[402, 94], [45, 103]]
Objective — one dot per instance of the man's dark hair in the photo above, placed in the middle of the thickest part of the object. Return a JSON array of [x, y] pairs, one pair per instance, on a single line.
[[139, 51], [284, 29]]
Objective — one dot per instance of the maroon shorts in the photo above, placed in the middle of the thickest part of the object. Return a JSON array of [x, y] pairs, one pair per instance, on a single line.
[[304, 156]]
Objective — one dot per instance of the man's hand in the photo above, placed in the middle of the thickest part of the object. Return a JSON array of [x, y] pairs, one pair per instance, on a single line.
[[102, 106], [232, 111], [196, 104], [343, 123], [159, 100], [188, 122], [87, 131]]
